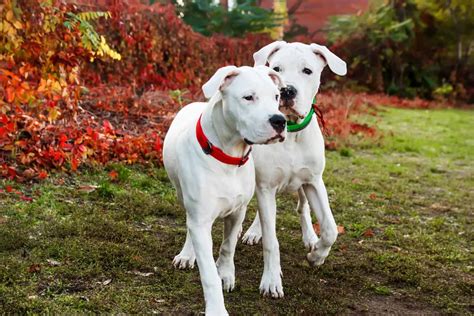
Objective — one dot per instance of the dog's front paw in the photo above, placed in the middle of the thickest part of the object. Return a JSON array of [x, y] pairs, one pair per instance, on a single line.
[[271, 285], [216, 311], [227, 275], [310, 241], [317, 255], [252, 237], [183, 261]]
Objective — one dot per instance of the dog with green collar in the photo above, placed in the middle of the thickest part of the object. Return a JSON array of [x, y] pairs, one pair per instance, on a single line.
[[297, 164]]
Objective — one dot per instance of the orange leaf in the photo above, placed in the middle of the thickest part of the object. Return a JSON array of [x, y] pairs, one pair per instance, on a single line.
[[368, 233], [340, 229], [10, 94], [317, 228], [34, 268], [373, 196], [113, 175]]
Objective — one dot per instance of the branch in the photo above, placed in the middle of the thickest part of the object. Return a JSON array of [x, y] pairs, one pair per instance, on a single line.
[[295, 7]]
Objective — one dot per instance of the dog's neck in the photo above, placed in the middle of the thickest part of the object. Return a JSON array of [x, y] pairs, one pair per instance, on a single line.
[[221, 132]]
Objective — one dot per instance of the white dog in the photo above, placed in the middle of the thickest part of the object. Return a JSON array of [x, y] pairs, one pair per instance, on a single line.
[[296, 164], [206, 155]]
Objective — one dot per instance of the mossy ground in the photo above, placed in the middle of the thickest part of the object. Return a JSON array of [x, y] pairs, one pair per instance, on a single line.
[[112, 242]]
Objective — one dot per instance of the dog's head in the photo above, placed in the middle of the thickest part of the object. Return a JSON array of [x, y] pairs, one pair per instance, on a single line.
[[250, 101], [300, 67]]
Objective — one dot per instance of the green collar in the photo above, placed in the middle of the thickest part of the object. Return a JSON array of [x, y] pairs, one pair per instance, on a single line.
[[292, 127]]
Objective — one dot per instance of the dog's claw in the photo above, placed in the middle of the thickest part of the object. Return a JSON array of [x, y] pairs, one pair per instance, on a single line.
[[310, 243], [271, 286], [184, 262], [251, 238]]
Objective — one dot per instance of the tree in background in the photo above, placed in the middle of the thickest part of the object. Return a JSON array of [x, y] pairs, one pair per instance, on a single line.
[[408, 48], [208, 17]]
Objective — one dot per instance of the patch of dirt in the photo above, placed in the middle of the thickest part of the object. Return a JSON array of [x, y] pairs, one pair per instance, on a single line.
[[391, 305]]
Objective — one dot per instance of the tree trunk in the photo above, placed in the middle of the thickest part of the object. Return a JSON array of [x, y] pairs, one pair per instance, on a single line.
[[281, 11]]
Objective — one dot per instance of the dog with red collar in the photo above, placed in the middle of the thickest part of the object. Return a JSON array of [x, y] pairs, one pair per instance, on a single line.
[[206, 155]]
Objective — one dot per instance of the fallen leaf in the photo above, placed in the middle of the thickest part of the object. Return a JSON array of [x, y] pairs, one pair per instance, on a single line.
[[88, 188], [106, 282], [113, 175], [369, 233], [373, 196], [9, 188], [26, 198], [316, 228], [343, 247], [35, 267], [340, 229], [143, 274], [53, 262]]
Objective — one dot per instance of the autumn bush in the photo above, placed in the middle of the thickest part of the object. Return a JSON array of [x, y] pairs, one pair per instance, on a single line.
[[100, 84], [67, 97]]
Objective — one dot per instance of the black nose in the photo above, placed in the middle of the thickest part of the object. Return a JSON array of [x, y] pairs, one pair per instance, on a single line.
[[288, 93], [278, 122]]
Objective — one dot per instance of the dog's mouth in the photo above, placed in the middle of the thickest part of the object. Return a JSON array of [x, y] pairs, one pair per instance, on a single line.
[[287, 107], [248, 142], [278, 137]]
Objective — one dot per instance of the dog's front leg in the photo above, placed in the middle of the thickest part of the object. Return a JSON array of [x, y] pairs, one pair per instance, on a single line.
[[225, 262], [271, 283], [201, 236], [318, 200]]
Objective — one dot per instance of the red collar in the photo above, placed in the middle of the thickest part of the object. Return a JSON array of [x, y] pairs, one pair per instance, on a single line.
[[216, 152]]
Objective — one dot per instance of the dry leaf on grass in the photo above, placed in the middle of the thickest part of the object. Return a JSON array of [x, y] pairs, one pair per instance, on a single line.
[[53, 263], [340, 229]]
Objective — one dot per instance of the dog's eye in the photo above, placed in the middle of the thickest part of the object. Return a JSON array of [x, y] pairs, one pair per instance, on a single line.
[[277, 97], [249, 97], [307, 71], [277, 69]]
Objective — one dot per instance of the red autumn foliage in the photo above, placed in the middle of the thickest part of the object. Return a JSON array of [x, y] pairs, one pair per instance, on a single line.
[[59, 110]]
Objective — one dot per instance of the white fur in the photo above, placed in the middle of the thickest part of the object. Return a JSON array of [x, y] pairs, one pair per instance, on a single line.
[[209, 189], [294, 165]]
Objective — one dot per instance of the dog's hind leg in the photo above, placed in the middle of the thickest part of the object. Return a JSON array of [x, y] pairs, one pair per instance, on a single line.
[[318, 200], [185, 259], [225, 262], [253, 235], [309, 236]]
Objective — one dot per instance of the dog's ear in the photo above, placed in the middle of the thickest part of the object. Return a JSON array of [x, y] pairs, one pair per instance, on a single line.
[[261, 57], [221, 79], [336, 64], [275, 76]]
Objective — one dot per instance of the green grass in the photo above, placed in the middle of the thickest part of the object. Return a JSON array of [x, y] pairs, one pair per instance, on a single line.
[[412, 188]]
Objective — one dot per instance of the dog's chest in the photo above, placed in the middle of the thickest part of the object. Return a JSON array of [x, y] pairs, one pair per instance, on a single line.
[[233, 193], [287, 167]]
